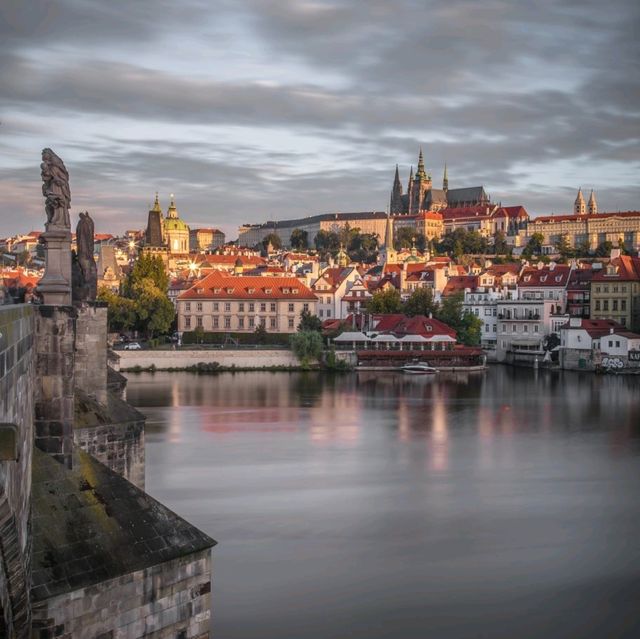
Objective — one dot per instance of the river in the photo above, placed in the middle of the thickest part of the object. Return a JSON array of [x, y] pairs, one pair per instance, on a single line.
[[375, 505]]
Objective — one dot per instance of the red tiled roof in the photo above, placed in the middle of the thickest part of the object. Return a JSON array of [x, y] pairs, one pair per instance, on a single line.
[[572, 217], [627, 269], [545, 277], [595, 328], [419, 325], [458, 283], [218, 285]]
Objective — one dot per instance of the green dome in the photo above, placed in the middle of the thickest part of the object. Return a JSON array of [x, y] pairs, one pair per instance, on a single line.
[[175, 224]]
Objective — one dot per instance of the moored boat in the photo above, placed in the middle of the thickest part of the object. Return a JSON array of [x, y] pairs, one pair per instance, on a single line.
[[419, 368]]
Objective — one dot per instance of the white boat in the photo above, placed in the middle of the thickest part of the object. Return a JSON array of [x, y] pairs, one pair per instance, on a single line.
[[419, 368]]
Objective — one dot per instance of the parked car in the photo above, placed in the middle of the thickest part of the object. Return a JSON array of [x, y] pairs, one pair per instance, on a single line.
[[132, 346]]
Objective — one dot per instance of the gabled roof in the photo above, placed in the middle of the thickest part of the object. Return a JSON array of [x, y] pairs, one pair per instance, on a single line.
[[458, 284], [627, 269], [468, 194], [400, 325], [594, 327], [221, 286], [532, 276]]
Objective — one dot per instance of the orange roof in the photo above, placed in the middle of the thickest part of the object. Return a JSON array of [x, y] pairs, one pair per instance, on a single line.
[[458, 284], [627, 269], [219, 286]]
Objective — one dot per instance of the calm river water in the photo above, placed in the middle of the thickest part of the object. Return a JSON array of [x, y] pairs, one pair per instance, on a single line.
[[504, 504]]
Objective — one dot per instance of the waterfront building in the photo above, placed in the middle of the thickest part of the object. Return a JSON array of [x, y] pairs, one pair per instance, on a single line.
[[523, 325], [228, 303], [355, 299], [331, 286], [579, 291], [615, 291], [545, 282]]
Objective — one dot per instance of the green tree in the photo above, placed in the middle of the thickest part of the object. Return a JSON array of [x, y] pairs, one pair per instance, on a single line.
[[420, 302], [467, 326], [385, 301], [604, 249], [121, 311], [534, 246], [299, 239], [307, 346], [274, 240], [404, 237], [563, 247], [309, 322], [260, 334], [146, 267], [583, 249], [500, 246], [363, 247], [327, 242], [154, 310]]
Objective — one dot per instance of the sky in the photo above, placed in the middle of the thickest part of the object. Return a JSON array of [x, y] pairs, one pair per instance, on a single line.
[[250, 110]]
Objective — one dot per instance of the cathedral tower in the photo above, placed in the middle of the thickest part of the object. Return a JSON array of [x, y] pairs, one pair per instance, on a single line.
[[592, 207], [445, 179], [579, 207], [395, 206], [420, 185]]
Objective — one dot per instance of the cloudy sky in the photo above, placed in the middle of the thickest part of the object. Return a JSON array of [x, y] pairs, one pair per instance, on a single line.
[[250, 110]]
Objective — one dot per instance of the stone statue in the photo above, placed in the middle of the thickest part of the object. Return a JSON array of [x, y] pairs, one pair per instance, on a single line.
[[83, 266], [55, 189]]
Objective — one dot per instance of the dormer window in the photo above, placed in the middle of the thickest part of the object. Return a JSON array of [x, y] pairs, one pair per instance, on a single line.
[[229, 290], [285, 291], [251, 290], [217, 290], [267, 291], [558, 278], [543, 278], [527, 278], [200, 290], [294, 291]]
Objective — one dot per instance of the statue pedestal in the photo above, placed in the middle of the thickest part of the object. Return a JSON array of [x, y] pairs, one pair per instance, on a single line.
[[55, 285]]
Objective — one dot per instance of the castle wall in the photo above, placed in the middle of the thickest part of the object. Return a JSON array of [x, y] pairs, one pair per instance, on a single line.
[[165, 601], [17, 369], [91, 350]]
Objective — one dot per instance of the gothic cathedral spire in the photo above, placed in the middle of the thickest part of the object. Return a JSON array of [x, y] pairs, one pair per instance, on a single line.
[[395, 205], [445, 179], [592, 207]]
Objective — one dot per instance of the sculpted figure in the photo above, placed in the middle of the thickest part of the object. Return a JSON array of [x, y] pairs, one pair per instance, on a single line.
[[84, 270], [55, 189]]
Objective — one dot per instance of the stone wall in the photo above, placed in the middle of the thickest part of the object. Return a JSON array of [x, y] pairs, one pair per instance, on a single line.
[[91, 350], [165, 601], [54, 381], [241, 358], [17, 369]]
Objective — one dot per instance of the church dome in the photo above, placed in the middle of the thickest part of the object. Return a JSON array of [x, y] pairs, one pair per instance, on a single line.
[[173, 222]]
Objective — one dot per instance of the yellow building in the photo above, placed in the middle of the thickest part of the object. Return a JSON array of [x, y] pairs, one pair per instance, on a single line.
[[615, 292]]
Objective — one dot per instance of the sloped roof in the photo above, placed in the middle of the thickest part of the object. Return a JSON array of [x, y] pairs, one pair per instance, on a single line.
[[221, 286], [468, 194], [532, 276], [627, 269], [584, 217], [458, 284], [90, 524]]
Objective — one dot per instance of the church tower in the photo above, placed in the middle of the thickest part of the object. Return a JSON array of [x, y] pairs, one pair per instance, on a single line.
[[420, 185], [176, 231], [579, 207], [154, 232], [388, 254], [445, 179], [395, 205], [592, 207]]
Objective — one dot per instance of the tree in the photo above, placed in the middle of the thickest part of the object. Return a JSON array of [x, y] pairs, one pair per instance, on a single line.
[[154, 310], [404, 237], [326, 241], [309, 322], [604, 249], [420, 302], [24, 258], [583, 249], [563, 247], [307, 346], [146, 267], [534, 245], [363, 247], [260, 334], [273, 239], [299, 239], [500, 246], [385, 301], [121, 312], [467, 326]]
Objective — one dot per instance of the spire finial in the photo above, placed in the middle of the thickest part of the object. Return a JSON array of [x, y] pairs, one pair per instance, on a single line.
[[445, 179]]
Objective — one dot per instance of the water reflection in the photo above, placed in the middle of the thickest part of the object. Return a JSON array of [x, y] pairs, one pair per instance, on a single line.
[[381, 505]]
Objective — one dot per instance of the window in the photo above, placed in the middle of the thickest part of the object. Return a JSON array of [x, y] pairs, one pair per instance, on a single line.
[[623, 305], [597, 305], [227, 307], [241, 307], [187, 322], [328, 300], [305, 306], [513, 328], [263, 307], [495, 328], [227, 322], [273, 322], [241, 322], [290, 322], [199, 321], [290, 307], [252, 322], [216, 307], [617, 343], [605, 305], [614, 305], [263, 322], [487, 311], [320, 313], [526, 328], [216, 322], [187, 306], [535, 328], [272, 306], [199, 306], [504, 328], [252, 307]]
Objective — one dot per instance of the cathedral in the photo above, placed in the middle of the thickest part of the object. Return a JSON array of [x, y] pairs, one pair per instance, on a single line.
[[169, 233], [421, 196]]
